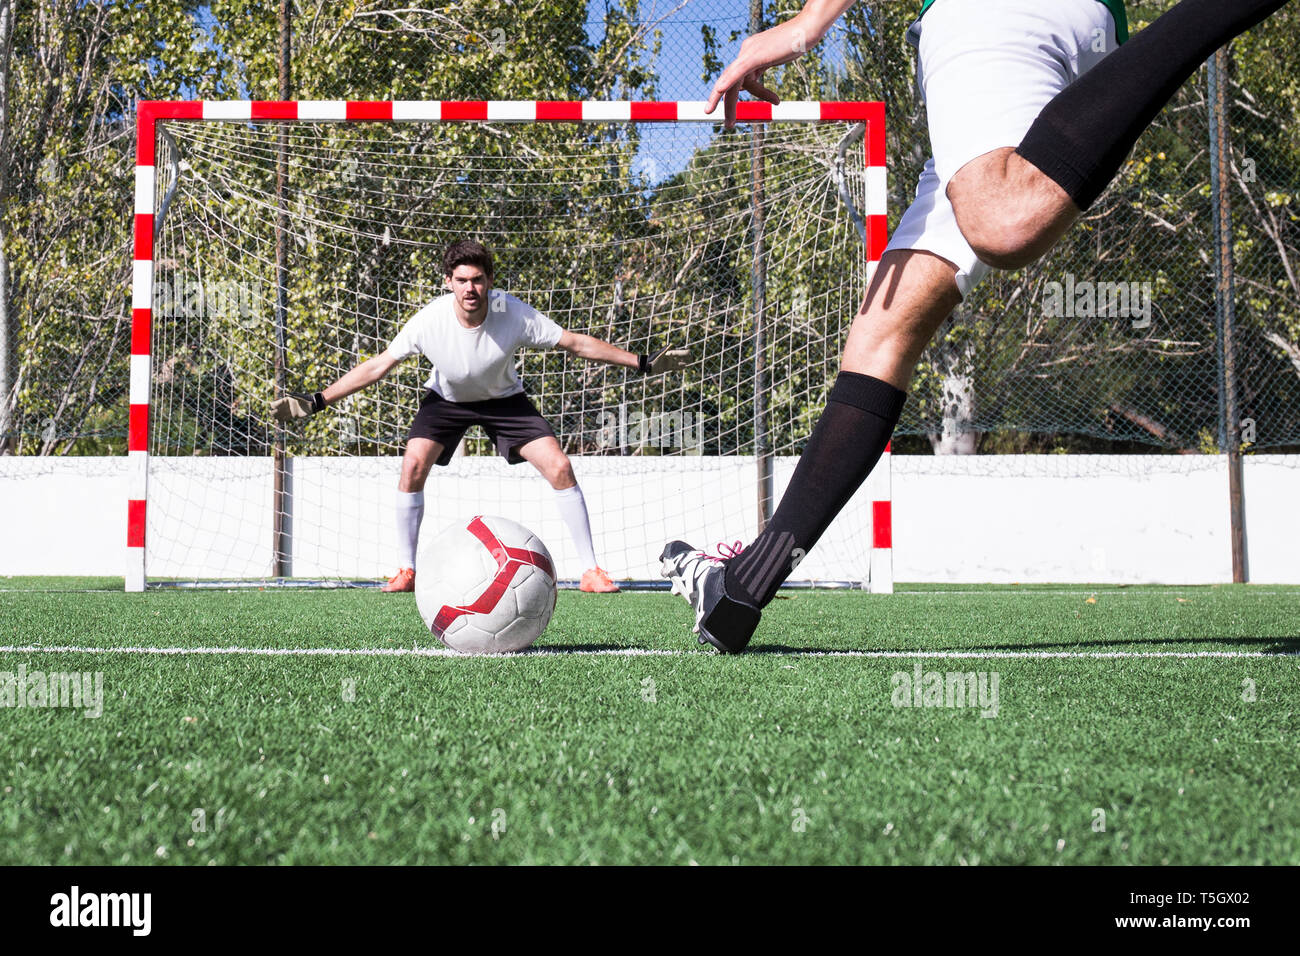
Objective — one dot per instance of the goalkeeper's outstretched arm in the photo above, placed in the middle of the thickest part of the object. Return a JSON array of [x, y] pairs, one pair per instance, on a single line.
[[301, 404], [598, 350]]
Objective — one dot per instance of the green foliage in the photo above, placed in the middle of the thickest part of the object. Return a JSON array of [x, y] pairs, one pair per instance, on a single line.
[[77, 68]]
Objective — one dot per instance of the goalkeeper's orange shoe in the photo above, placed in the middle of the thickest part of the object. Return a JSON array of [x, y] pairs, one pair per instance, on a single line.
[[403, 580], [596, 581]]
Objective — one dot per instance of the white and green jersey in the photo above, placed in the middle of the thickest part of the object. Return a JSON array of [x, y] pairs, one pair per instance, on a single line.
[[1116, 8]]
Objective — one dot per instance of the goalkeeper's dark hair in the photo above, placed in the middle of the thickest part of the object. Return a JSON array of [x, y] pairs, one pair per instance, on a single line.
[[467, 252]]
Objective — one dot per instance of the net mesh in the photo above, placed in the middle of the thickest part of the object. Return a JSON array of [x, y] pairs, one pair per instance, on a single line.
[[644, 237]]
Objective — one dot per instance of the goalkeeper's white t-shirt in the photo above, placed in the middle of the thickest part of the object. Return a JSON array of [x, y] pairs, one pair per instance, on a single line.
[[473, 365]]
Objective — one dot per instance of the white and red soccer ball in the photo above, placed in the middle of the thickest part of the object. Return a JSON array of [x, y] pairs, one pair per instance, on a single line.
[[486, 586]]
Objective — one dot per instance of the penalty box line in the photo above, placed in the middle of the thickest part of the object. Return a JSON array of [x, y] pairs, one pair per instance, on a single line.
[[634, 652]]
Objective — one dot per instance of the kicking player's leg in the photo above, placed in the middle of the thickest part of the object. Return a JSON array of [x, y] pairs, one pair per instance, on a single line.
[[987, 72], [1009, 211], [912, 292], [1013, 204], [417, 460], [927, 270], [985, 76], [546, 455]]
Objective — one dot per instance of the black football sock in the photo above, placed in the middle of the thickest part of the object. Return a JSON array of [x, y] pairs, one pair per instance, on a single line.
[[1082, 137], [849, 438]]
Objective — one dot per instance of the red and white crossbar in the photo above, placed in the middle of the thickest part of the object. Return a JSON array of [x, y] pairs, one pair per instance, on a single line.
[[150, 112]]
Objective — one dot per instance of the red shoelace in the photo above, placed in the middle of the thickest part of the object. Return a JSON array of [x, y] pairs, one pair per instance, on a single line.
[[725, 551]]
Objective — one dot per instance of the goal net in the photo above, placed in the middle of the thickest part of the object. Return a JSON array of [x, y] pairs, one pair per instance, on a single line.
[[278, 245]]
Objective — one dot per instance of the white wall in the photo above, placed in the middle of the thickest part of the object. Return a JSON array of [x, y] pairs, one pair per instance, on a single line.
[[1048, 518], [62, 515], [1091, 518]]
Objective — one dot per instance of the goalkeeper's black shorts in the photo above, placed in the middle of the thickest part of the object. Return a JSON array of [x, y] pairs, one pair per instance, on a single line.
[[510, 423]]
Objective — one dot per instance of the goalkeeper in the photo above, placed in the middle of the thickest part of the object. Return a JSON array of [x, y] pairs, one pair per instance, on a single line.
[[1033, 106], [471, 335]]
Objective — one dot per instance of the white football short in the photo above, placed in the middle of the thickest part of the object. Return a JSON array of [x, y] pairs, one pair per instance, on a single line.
[[986, 69]]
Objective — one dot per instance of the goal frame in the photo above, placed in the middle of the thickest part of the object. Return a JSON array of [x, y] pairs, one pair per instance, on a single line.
[[145, 217]]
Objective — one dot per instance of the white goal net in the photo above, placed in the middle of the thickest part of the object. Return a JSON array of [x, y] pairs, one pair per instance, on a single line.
[[745, 247]]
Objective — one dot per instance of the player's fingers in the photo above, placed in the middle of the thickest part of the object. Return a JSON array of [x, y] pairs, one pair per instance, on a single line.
[[731, 77], [677, 358], [757, 89], [717, 96], [729, 107], [669, 360]]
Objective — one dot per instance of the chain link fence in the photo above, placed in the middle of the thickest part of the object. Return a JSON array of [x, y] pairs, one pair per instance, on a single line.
[[1112, 343]]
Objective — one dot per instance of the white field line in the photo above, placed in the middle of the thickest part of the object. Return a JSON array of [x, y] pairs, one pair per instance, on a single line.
[[629, 652]]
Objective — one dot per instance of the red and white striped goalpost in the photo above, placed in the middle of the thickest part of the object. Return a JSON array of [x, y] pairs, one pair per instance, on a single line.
[[150, 112]]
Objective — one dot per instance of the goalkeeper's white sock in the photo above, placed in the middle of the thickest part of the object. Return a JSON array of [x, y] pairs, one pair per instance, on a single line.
[[410, 511], [573, 509]]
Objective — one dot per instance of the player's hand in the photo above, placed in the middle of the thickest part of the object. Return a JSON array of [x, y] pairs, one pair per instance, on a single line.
[[296, 405], [666, 360], [759, 53]]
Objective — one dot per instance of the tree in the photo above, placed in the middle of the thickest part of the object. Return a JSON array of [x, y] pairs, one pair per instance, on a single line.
[[74, 70], [67, 162]]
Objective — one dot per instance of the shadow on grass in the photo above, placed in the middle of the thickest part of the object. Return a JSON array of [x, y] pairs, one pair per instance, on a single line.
[[1277, 645]]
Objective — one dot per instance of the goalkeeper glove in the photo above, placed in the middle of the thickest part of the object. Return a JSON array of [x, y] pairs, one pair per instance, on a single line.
[[297, 405], [665, 360]]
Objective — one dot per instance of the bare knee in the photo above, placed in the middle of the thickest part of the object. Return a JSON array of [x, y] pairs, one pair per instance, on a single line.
[[415, 471], [1005, 244], [559, 472], [563, 476], [1008, 210]]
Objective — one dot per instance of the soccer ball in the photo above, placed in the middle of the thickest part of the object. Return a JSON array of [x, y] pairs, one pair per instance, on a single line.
[[486, 586]]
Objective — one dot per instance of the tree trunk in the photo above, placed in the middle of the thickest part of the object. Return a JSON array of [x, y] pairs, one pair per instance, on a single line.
[[957, 400]]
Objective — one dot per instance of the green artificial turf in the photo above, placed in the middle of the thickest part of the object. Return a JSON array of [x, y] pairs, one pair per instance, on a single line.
[[782, 755]]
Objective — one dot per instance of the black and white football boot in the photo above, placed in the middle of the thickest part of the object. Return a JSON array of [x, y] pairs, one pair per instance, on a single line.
[[720, 619]]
